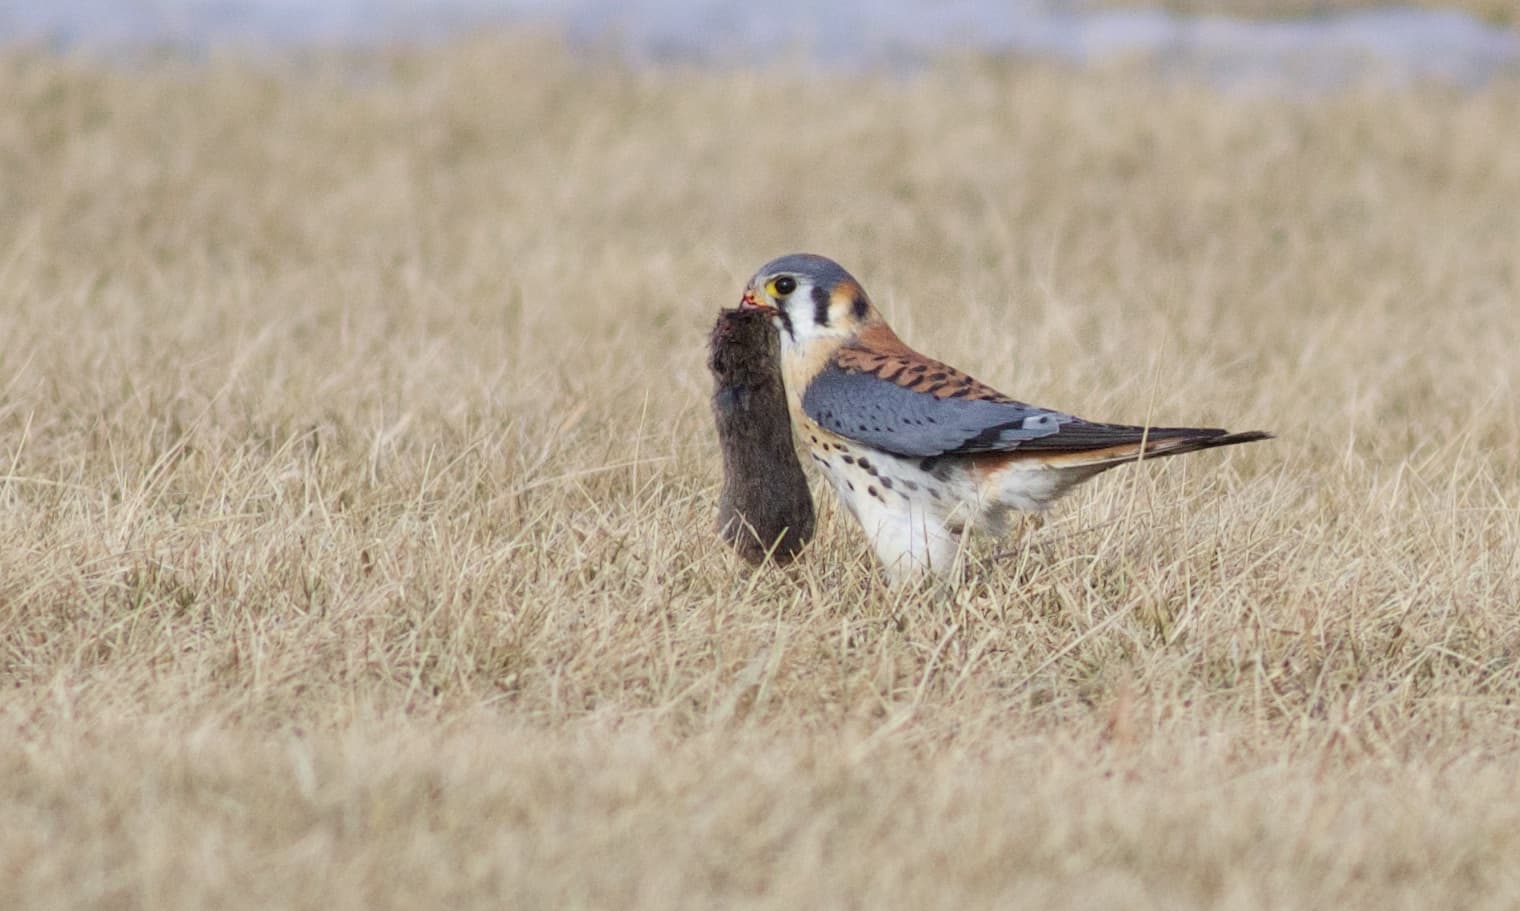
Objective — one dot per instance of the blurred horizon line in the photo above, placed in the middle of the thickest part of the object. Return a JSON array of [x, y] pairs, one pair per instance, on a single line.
[[1389, 45]]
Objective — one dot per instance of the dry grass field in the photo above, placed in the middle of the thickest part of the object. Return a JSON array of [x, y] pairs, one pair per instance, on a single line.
[[357, 480]]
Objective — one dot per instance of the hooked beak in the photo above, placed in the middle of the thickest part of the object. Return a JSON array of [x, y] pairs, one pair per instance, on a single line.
[[752, 302]]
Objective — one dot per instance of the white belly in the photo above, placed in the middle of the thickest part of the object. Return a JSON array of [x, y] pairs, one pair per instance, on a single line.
[[910, 516], [914, 510]]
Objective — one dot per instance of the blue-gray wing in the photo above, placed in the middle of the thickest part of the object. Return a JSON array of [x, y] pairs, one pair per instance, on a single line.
[[884, 415]]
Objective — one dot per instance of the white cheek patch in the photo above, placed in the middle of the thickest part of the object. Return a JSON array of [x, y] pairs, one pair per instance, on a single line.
[[800, 309]]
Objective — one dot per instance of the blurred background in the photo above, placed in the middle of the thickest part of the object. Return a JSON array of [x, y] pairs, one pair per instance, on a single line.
[[357, 473], [1298, 44]]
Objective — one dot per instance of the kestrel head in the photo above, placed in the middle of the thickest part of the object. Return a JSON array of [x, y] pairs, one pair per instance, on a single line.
[[809, 298]]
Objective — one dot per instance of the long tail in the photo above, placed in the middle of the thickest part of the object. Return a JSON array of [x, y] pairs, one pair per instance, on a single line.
[[1147, 444], [1201, 439]]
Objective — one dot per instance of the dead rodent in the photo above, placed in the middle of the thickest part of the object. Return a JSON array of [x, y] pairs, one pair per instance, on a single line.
[[765, 502]]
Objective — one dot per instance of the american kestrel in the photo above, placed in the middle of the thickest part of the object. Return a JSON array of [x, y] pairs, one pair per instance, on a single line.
[[917, 450]]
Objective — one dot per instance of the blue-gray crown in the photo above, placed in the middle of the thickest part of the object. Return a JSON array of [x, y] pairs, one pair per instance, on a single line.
[[820, 271]]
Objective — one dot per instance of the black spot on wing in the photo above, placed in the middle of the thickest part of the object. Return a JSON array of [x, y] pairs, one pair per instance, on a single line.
[[1021, 431], [913, 423]]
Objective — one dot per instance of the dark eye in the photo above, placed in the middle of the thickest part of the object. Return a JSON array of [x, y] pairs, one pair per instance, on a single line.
[[785, 285]]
